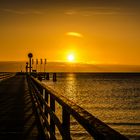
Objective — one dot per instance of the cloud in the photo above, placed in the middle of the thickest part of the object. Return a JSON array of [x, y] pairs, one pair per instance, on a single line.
[[70, 12], [103, 10], [90, 11], [22, 12], [75, 34]]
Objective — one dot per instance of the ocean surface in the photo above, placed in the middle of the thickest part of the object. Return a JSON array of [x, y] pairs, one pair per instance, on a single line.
[[114, 98]]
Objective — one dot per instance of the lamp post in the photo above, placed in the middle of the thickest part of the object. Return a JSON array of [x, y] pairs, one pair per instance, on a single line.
[[30, 55]]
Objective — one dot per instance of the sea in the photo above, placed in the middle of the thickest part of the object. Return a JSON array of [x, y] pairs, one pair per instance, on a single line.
[[114, 98]]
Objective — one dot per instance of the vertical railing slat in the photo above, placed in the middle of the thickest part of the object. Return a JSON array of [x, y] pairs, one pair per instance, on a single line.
[[52, 124], [66, 124], [47, 101], [44, 96]]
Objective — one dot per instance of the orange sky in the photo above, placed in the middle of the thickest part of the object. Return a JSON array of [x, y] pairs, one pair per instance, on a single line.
[[103, 33]]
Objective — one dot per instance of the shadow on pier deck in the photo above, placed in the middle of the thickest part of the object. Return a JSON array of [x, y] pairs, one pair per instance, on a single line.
[[17, 119]]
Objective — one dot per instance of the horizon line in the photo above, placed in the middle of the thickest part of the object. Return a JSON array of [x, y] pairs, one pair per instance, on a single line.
[[85, 63]]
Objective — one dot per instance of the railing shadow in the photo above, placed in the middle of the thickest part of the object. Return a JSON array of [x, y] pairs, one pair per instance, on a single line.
[[31, 125]]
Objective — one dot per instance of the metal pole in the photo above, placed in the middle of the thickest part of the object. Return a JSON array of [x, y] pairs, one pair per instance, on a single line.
[[45, 65], [30, 65]]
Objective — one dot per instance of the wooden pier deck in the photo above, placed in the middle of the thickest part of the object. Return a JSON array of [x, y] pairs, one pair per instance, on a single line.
[[17, 119]]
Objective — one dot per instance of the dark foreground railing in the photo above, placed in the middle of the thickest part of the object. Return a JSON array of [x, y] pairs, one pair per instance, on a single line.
[[44, 101], [4, 75]]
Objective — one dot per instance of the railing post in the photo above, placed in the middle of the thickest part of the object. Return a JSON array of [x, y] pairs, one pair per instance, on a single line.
[[52, 124], [66, 124]]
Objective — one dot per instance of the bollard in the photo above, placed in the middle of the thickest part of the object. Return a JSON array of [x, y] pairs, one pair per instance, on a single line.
[[47, 76], [54, 77], [39, 78]]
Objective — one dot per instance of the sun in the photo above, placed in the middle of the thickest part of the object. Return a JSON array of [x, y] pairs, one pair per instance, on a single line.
[[71, 57]]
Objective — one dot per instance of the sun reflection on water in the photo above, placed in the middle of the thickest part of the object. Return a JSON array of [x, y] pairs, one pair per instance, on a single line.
[[70, 87]]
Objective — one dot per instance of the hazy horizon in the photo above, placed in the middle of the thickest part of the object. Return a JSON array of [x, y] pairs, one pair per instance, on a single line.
[[18, 66]]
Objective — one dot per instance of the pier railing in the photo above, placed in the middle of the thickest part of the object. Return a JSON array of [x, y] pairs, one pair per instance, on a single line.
[[4, 75], [45, 100]]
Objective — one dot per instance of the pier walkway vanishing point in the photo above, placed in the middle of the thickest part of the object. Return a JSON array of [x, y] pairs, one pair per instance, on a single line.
[[27, 112]]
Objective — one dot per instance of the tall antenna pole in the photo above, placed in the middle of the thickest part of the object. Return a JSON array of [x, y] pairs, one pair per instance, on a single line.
[[41, 62], [36, 64], [32, 64], [45, 65]]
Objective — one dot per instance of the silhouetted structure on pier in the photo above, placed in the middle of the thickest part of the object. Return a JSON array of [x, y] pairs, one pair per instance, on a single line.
[[30, 55]]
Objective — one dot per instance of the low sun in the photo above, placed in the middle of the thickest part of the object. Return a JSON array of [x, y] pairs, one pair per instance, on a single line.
[[70, 57]]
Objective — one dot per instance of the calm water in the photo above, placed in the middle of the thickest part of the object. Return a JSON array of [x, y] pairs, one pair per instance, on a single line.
[[113, 98]]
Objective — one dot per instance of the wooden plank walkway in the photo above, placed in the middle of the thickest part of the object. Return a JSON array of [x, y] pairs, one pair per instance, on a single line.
[[17, 119]]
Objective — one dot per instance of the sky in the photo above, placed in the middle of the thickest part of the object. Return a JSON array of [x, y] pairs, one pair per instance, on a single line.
[[93, 31]]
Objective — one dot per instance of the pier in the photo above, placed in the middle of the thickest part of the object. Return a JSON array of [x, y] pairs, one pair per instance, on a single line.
[[27, 112], [17, 117]]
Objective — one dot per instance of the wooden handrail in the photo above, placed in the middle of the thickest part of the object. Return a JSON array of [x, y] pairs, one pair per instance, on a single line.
[[95, 127]]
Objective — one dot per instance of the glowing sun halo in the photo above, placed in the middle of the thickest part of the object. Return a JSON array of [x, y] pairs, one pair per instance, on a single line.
[[70, 58]]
